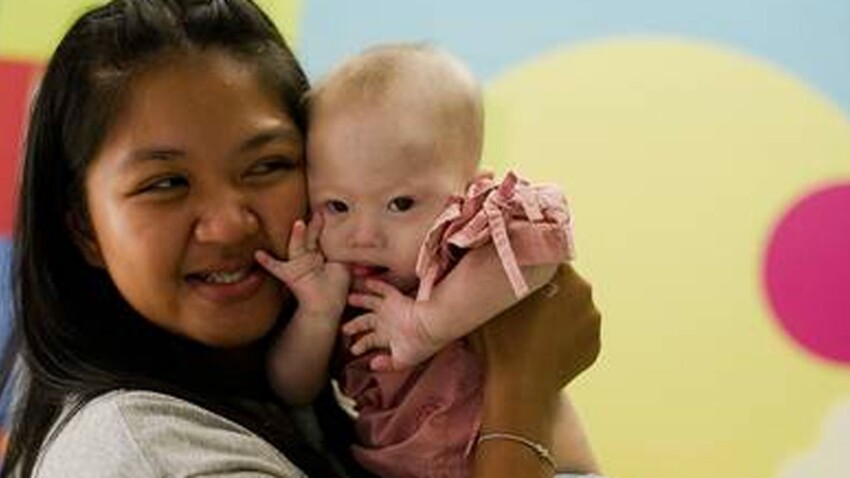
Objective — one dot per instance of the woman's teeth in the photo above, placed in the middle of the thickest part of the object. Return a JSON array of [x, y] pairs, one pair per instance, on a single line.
[[226, 277]]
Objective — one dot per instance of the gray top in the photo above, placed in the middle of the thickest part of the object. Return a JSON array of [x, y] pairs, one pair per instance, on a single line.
[[136, 434]]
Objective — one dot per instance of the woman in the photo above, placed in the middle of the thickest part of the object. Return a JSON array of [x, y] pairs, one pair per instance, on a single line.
[[165, 146]]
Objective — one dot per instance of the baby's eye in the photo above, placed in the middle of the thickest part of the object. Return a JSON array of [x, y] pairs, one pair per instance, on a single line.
[[335, 206], [401, 204]]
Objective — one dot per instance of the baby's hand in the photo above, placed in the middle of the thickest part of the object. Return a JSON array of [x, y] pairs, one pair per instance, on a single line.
[[395, 322], [320, 287]]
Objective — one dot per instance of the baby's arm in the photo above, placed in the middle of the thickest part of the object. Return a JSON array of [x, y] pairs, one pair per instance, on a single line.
[[476, 290], [299, 358]]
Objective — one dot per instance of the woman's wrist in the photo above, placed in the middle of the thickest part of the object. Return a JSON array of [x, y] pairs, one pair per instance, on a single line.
[[510, 458], [515, 409], [541, 451]]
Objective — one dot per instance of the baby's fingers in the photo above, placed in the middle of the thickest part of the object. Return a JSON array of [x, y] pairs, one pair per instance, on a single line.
[[314, 229], [365, 301], [359, 325], [382, 363], [275, 267], [381, 288], [298, 239], [292, 271], [366, 343]]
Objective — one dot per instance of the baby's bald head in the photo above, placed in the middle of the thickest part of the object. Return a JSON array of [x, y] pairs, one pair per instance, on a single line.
[[412, 79]]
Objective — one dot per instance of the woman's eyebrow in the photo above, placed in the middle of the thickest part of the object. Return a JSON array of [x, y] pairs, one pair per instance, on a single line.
[[271, 135], [155, 153], [258, 140]]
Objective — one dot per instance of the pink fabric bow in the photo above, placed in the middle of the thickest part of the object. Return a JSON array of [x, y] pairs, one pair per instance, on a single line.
[[528, 225]]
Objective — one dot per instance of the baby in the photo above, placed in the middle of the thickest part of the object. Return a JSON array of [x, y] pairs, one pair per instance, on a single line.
[[428, 247]]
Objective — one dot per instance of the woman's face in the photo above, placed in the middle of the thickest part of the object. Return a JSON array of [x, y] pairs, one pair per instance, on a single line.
[[201, 169]]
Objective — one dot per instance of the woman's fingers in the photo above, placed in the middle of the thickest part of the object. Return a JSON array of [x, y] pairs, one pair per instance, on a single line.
[[551, 337], [586, 338]]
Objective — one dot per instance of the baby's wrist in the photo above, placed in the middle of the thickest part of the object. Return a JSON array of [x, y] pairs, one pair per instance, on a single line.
[[319, 316], [429, 316]]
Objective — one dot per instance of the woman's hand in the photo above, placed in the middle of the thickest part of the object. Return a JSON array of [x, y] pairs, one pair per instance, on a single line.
[[529, 353], [546, 340]]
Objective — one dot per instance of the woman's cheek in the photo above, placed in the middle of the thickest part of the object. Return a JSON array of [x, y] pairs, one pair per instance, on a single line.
[[280, 210]]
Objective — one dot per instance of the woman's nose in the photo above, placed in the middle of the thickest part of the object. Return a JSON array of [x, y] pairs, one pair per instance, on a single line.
[[366, 232], [228, 220]]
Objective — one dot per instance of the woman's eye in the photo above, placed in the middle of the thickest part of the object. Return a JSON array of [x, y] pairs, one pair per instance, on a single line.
[[401, 204], [269, 166], [335, 206], [168, 183]]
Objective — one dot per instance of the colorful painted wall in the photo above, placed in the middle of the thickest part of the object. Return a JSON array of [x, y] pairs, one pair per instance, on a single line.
[[705, 146]]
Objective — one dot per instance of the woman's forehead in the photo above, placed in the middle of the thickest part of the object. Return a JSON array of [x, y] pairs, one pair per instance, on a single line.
[[208, 99]]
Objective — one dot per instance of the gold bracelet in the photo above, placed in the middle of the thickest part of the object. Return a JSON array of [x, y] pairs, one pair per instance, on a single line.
[[541, 451]]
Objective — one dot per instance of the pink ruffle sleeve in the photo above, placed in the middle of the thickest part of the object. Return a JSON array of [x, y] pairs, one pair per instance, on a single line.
[[529, 224]]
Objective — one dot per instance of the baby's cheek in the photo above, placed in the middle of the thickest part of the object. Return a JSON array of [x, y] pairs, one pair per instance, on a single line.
[[422, 231]]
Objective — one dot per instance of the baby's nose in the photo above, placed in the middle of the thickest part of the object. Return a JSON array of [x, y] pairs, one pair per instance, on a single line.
[[366, 232]]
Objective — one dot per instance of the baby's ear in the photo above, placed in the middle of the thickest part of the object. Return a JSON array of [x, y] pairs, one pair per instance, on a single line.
[[83, 237]]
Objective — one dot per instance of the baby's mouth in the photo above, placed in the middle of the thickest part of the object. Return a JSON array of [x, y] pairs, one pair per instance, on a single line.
[[366, 270]]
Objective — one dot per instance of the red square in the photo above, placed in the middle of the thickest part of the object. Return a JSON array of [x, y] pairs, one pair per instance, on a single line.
[[17, 80]]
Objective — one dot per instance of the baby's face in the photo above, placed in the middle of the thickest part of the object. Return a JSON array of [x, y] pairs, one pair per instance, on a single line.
[[380, 180]]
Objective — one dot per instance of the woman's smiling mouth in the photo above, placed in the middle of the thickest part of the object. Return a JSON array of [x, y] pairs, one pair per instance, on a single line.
[[226, 286]]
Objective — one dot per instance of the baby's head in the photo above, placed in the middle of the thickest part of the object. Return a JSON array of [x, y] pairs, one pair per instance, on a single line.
[[424, 96], [394, 132]]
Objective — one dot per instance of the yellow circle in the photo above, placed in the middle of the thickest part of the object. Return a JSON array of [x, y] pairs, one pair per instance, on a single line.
[[678, 158]]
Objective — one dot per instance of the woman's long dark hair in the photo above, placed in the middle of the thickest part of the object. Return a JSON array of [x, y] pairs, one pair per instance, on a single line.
[[74, 334]]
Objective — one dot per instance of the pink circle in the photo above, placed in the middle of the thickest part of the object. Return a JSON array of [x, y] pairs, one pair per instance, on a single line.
[[807, 273]]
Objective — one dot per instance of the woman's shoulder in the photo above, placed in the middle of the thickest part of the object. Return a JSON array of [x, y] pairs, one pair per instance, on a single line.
[[140, 434]]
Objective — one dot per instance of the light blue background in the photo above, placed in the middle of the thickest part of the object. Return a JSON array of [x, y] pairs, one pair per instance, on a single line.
[[808, 39]]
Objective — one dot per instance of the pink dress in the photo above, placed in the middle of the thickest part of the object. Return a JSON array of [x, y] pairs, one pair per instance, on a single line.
[[422, 422]]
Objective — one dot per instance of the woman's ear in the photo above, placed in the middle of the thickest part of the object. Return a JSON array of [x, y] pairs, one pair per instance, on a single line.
[[83, 236]]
